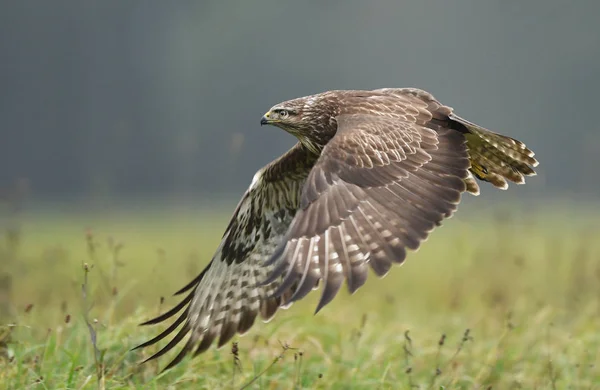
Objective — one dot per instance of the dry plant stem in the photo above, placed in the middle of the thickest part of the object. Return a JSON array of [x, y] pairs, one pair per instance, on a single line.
[[284, 349], [407, 355], [298, 360], [237, 364], [93, 336], [438, 371]]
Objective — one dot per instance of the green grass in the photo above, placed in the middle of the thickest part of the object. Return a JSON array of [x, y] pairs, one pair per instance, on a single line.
[[491, 300]]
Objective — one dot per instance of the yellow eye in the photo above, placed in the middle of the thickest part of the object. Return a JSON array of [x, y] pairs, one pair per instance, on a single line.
[[283, 114]]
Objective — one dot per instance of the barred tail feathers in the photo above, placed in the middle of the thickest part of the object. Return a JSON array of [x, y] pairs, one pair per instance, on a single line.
[[496, 158]]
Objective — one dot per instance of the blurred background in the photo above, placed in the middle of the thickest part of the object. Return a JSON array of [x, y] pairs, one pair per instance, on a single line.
[[107, 101], [130, 129], [134, 125]]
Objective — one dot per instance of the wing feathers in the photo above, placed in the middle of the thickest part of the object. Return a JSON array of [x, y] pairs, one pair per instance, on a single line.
[[381, 253], [307, 268], [378, 190], [184, 351], [178, 337], [229, 294], [333, 269], [166, 332], [171, 312], [357, 257], [193, 283]]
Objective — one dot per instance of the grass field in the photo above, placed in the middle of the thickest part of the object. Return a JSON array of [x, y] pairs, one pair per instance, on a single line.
[[492, 300]]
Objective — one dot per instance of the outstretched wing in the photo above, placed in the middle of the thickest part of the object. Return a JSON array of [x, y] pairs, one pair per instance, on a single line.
[[228, 295], [379, 187]]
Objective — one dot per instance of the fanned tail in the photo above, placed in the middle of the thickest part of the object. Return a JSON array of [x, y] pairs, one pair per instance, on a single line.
[[496, 158]]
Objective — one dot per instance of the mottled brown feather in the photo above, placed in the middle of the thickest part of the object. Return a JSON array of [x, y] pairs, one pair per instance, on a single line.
[[393, 154]]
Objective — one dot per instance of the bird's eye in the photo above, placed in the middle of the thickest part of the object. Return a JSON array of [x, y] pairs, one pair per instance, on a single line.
[[283, 114]]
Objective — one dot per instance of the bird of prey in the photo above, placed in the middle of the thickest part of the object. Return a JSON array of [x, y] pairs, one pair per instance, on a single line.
[[372, 174]]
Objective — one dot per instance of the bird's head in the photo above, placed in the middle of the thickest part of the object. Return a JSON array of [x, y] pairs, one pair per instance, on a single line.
[[308, 118], [288, 115]]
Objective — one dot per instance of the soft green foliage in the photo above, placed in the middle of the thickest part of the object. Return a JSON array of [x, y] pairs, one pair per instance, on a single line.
[[524, 285]]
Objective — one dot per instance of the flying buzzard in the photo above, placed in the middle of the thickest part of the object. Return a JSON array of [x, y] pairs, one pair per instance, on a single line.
[[373, 173]]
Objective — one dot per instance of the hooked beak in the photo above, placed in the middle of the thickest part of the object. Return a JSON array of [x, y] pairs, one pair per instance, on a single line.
[[265, 119]]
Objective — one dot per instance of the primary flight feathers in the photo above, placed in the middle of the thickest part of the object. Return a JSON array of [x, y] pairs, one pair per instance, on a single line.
[[373, 173]]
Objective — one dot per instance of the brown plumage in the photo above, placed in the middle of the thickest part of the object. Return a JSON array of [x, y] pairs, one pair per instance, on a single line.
[[373, 173]]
